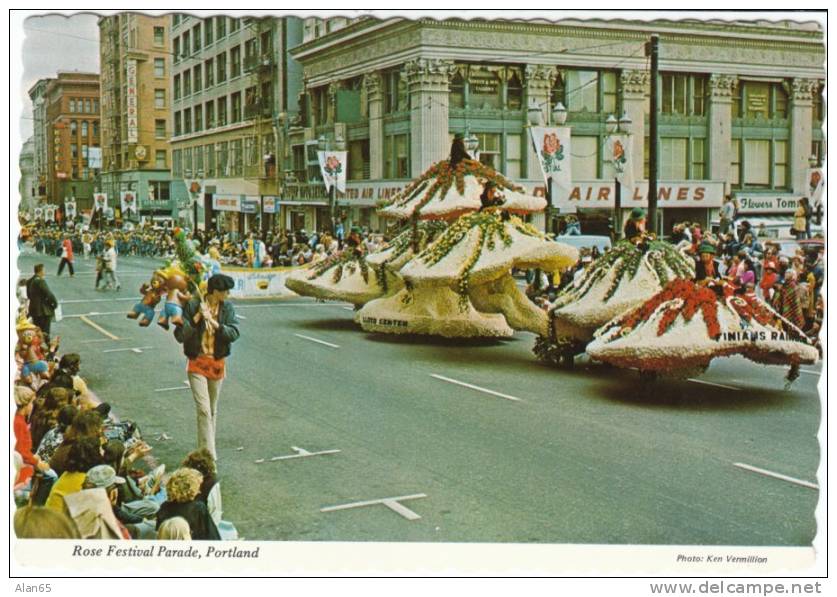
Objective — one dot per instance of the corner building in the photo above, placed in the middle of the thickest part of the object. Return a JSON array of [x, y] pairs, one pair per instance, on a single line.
[[741, 109]]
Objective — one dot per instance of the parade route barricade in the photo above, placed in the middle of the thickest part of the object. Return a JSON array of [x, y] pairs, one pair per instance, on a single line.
[[263, 282]]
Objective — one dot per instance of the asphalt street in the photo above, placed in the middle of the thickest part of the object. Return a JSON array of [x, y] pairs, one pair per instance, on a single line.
[[523, 453]]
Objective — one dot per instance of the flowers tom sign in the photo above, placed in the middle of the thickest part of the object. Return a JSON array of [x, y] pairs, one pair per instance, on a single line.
[[552, 146]]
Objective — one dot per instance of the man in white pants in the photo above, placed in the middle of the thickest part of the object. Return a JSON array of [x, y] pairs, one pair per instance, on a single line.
[[209, 327], [110, 265]]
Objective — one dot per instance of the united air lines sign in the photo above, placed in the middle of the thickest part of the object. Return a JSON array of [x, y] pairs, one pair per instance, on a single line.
[[670, 194]]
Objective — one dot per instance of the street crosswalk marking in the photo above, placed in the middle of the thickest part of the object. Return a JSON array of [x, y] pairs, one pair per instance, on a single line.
[[761, 471], [185, 386], [317, 341], [717, 385], [477, 388], [393, 503], [96, 326], [300, 453]]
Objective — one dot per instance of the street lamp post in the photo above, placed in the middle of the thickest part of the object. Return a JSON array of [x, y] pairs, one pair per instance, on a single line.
[[614, 126]]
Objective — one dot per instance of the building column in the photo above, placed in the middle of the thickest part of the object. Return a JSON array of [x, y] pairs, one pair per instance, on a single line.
[[429, 112], [539, 79], [802, 107], [635, 86], [375, 101], [721, 90]]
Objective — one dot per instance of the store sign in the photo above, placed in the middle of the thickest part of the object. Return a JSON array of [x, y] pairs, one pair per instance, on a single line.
[[250, 205], [483, 82], [767, 203], [600, 195], [269, 205], [226, 202], [259, 283], [132, 113]]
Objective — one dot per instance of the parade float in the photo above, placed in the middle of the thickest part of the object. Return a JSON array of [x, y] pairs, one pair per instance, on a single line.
[[354, 276], [679, 330], [461, 284], [623, 278]]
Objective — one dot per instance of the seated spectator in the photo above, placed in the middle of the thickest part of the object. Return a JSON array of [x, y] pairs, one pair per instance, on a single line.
[[24, 398], [45, 413], [92, 513], [174, 529], [55, 435], [37, 522], [183, 489], [210, 491], [83, 455], [103, 476], [87, 424]]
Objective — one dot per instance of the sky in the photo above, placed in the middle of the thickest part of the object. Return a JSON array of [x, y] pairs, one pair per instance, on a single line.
[[56, 43]]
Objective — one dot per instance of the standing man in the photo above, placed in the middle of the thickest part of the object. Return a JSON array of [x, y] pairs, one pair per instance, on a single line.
[[209, 327], [110, 265], [66, 256], [727, 214], [42, 303]]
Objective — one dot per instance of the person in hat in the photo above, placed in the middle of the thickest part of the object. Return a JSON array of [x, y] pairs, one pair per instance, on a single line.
[[635, 226], [209, 327], [706, 266], [42, 303]]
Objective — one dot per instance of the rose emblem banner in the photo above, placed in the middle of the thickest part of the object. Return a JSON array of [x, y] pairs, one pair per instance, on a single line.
[[816, 185], [39, 213], [70, 208], [100, 201], [49, 213], [128, 200], [333, 168], [619, 153], [552, 146]]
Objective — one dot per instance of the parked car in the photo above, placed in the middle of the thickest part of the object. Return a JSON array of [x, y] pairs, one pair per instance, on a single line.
[[585, 241]]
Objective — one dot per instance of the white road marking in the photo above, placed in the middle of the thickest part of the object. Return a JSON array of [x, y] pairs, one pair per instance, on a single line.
[[242, 306], [96, 326], [317, 341], [392, 503], [717, 385], [348, 308], [473, 387], [767, 473], [185, 386], [302, 453], [240, 316], [137, 349], [810, 372], [100, 300], [96, 340]]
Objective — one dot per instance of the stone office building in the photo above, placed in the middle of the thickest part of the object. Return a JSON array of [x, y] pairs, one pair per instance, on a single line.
[[740, 108]]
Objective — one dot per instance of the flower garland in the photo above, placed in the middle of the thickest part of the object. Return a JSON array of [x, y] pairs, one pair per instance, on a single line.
[[439, 178], [350, 259]]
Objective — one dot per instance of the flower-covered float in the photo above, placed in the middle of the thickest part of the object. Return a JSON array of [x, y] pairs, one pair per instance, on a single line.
[[682, 328], [623, 278], [461, 284], [357, 277]]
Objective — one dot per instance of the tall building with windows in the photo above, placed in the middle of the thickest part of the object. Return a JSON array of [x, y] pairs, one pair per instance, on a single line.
[[37, 94], [233, 89], [28, 185], [740, 109], [72, 129], [136, 114]]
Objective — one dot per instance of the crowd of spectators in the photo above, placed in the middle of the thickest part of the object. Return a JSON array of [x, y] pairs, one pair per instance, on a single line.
[[82, 473]]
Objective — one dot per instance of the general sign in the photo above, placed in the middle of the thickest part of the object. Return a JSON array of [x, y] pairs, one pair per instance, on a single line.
[[593, 194], [131, 114], [767, 203], [226, 202]]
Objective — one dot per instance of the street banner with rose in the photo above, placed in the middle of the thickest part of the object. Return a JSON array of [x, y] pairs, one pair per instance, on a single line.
[[552, 146], [100, 201], [333, 169], [70, 208], [128, 200], [619, 154]]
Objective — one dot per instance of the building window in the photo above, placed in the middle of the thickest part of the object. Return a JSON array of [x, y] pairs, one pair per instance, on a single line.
[[198, 118], [187, 83], [84, 129], [209, 72], [88, 106], [160, 159], [221, 64], [72, 105], [74, 151], [95, 129], [250, 54], [683, 94], [222, 111], [220, 27], [187, 121], [159, 67], [236, 158], [199, 160], [756, 163], [698, 159], [73, 128], [582, 91], [319, 102], [176, 164], [457, 91], [780, 164], [818, 113], [184, 45], [159, 98], [176, 48], [395, 92], [222, 157], [757, 99], [235, 107], [176, 86], [196, 38], [235, 61], [514, 156], [207, 31], [178, 130], [160, 128], [396, 156], [159, 36], [585, 157], [210, 114], [187, 162], [162, 189], [358, 159], [197, 78], [673, 159], [266, 43], [514, 90], [209, 151], [235, 24], [489, 149]]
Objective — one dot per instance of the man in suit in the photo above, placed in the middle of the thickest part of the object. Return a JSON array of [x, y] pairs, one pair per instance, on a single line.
[[42, 303]]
